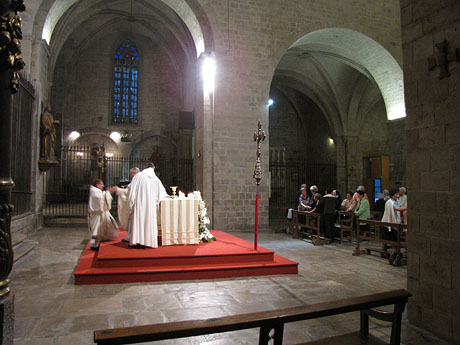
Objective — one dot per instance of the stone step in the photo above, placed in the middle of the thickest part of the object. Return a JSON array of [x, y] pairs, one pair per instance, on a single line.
[[23, 248], [17, 238], [64, 222]]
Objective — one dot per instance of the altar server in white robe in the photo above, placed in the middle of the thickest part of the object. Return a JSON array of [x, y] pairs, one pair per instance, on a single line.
[[122, 201], [145, 193], [102, 226]]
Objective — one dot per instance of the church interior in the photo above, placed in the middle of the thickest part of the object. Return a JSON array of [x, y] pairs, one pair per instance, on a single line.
[[347, 92]]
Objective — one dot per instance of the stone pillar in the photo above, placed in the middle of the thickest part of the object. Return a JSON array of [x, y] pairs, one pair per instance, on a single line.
[[7, 319], [204, 143], [349, 163], [341, 168], [10, 64], [431, 83]]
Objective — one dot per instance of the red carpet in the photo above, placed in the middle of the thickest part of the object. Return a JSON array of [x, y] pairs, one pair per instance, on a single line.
[[228, 256]]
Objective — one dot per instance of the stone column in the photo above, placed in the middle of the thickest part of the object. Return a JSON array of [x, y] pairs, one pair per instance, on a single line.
[[10, 64], [204, 143], [433, 164], [349, 163], [341, 167], [354, 162]]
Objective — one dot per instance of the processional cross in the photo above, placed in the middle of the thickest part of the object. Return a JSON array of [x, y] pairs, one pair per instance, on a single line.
[[259, 136]]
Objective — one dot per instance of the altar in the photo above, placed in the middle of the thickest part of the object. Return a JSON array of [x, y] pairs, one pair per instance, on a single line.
[[179, 221]]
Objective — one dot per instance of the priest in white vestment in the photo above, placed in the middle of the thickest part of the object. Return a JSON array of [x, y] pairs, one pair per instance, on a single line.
[[102, 226], [122, 201], [145, 193]]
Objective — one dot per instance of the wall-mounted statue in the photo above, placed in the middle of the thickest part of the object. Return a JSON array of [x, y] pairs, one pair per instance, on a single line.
[[47, 138], [47, 133]]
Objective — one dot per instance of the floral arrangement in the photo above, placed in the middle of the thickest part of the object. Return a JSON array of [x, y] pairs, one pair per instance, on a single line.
[[203, 220]]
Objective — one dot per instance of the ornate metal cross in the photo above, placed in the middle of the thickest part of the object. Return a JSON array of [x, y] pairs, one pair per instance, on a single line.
[[258, 136], [442, 59]]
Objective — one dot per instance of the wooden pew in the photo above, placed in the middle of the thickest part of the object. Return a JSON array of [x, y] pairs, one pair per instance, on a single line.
[[346, 224], [375, 235], [311, 227], [376, 215], [274, 320]]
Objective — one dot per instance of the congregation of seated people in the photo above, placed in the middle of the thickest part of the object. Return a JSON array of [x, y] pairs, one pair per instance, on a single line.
[[390, 206]]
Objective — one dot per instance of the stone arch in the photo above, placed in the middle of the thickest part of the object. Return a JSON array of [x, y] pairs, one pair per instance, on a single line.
[[365, 55], [145, 145], [92, 137], [345, 73], [189, 11], [312, 90]]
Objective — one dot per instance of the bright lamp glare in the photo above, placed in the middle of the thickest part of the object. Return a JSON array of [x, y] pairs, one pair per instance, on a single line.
[[331, 141], [74, 135], [209, 74], [115, 136], [397, 112], [270, 102]]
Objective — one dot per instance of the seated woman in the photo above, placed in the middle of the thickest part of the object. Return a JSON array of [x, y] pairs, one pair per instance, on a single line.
[[347, 203], [312, 205], [303, 204], [303, 200]]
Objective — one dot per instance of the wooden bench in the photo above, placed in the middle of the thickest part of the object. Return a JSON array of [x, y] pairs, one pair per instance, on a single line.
[[346, 224], [376, 215], [274, 320], [311, 227], [375, 235]]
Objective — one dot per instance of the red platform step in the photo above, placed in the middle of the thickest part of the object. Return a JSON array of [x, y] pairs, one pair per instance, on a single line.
[[228, 256]]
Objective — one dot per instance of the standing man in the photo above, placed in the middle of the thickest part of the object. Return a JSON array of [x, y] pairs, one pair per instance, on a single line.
[[101, 224], [122, 202], [326, 207], [145, 193]]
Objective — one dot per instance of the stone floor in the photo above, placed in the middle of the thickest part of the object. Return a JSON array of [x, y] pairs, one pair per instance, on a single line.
[[50, 309]]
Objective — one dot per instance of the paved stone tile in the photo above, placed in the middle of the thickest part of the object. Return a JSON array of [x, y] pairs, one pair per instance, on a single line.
[[151, 302], [193, 313], [50, 309], [94, 305], [89, 323], [37, 341], [23, 326], [80, 338]]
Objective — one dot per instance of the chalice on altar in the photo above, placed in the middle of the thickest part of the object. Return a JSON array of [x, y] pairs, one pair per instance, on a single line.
[[173, 188]]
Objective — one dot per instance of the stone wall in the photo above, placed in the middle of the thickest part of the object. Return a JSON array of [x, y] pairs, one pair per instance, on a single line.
[[83, 87], [250, 39], [303, 131], [433, 170]]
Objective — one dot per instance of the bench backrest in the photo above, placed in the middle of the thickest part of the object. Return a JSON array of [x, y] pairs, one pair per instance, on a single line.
[[267, 320], [312, 220], [346, 219]]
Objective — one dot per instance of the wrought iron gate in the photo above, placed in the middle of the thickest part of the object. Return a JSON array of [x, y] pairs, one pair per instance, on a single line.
[[21, 158], [67, 184], [286, 179]]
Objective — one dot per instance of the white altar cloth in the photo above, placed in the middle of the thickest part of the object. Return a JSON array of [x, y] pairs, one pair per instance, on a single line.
[[179, 221]]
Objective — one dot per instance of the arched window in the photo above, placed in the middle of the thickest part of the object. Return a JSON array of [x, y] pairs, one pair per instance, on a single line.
[[125, 90]]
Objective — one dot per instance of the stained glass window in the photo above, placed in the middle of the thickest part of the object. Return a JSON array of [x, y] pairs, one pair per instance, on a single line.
[[125, 88]]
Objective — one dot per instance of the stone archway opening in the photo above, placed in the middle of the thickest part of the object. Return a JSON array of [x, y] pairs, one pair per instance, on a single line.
[[334, 92]]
